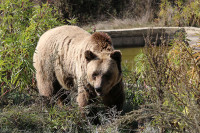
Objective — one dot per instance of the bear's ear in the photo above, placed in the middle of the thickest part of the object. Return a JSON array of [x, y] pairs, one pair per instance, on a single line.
[[89, 55], [117, 56]]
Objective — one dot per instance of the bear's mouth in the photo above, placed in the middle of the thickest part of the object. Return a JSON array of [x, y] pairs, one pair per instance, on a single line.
[[99, 93]]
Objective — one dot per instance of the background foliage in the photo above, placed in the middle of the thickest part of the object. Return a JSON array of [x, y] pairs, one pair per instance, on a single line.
[[180, 12], [162, 12], [87, 11], [21, 25]]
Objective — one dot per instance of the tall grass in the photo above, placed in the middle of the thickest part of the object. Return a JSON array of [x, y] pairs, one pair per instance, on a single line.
[[169, 79]]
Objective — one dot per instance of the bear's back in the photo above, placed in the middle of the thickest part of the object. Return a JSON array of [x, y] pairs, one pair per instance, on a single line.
[[58, 35], [64, 41], [60, 43]]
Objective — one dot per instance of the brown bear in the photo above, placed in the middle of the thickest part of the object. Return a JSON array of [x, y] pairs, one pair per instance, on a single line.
[[68, 56]]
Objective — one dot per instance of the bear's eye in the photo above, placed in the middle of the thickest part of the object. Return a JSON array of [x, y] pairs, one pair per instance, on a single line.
[[94, 75]]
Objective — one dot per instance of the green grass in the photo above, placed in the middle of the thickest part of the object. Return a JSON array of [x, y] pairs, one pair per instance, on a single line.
[[26, 111], [31, 114]]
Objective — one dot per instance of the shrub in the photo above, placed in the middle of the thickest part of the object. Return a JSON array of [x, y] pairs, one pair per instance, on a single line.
[[22, 23], [180, 13], [170, 82]]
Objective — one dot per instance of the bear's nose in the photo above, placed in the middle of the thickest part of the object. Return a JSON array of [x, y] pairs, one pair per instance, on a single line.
[[98, 89]]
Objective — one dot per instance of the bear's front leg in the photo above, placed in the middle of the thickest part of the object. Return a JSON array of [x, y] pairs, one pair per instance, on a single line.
[[82, 99]]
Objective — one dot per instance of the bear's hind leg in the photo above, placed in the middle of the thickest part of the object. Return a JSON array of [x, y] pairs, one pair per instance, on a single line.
[[50, 88], [45, 86]]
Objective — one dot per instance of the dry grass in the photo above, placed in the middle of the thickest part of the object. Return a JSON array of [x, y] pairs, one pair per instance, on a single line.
[[116, 23]]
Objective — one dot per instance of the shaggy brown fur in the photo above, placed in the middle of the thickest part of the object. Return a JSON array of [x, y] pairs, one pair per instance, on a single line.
[[68, 56], [103, 41]]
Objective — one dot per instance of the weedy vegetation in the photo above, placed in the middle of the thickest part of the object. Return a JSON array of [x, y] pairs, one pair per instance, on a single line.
[[21, 24], [179, 13], [168, 77]]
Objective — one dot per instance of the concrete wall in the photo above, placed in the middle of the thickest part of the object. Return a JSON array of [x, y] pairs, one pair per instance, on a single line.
[[135, 37]]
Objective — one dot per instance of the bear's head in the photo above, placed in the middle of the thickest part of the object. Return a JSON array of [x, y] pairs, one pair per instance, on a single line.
[[103, 70]]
